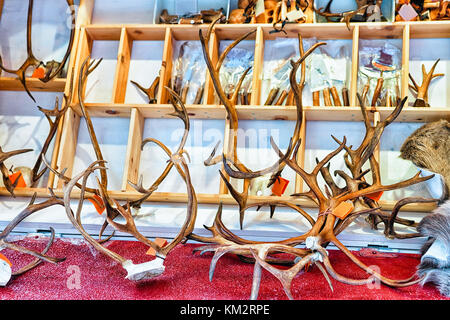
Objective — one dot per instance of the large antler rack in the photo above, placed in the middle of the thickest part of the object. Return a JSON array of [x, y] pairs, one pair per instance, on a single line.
[[32, 61], [229, 101], [113, 208], [327, 226]]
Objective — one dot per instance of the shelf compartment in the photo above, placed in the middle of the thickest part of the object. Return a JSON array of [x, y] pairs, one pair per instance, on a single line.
[[33, 84]]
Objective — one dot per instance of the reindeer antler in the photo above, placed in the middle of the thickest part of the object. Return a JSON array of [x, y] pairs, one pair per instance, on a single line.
[[31, 208], [31, 60]]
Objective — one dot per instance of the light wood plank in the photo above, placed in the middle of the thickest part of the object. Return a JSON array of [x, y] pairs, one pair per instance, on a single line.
[[33, 84], [301, 155], [133, 155], [122, 67], [288, 113], [85, 9], [166, 67], [210, 91], [68, 147], [355, 67], [258, 67], [405, 64]]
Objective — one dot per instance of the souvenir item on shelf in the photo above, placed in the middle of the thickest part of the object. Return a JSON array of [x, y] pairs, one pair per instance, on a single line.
[[238, 63], [328, 76], [421, 90], [272, 11], [422, 10], [45, 72], [204, 16], [237, 16], [379, 73], [189, 73], [366, 11], [151, 92]]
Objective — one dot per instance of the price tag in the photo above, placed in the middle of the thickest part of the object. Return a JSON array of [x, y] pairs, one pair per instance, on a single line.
[[343, 210], [160, 242], [294, 15], [38, 73], [5, 270], [18, 175], [375, 196], [98, 203], [279, 186]]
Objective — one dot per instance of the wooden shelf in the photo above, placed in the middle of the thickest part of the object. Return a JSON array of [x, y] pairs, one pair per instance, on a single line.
[[409, 114], [202, 198], [382, 30], [13, 84]]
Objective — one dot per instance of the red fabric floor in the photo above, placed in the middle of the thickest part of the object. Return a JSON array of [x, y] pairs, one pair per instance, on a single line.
[[186, 277]]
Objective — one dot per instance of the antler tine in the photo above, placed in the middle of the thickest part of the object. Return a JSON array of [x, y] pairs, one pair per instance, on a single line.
[[211, 159], [401, 203], [378, 187], [84, 72], [239, 174], [331, 155], [394, 114], [285, 276], [37, 261], [238, 86], [230, 47], [214, 75], [375, 275], [58, 113], [66, 179], [241, 198]]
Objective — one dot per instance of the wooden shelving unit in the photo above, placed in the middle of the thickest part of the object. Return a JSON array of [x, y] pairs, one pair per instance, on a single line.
[[126, 34]]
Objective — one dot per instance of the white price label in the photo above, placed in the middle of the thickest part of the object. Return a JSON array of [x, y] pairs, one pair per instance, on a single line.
[[259, 8], [5, 273], [294, 15]]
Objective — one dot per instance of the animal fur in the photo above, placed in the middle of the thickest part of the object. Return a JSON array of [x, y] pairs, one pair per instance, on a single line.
[[434, 266], [429, 147]]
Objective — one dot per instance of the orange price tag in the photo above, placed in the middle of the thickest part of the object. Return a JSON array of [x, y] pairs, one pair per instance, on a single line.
[[18, 175], [2, 257], [38, 73], [279, 186], [98, 203], [375, 196], [160, 242], [343, 210]]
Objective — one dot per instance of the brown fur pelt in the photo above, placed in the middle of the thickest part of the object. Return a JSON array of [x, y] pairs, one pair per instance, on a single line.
[[434, 265], [429, 148]]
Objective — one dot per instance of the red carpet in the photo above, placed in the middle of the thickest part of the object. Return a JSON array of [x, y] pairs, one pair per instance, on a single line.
[[186, 277]]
